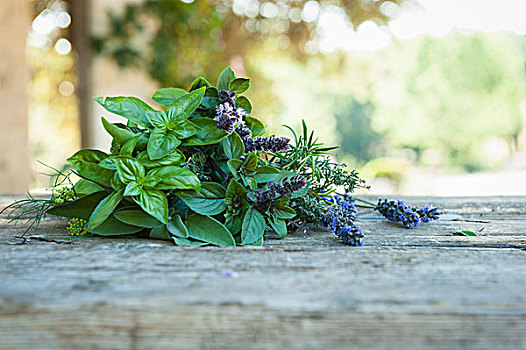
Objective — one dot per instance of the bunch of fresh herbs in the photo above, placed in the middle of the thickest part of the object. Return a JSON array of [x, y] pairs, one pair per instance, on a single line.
[[199, 171]]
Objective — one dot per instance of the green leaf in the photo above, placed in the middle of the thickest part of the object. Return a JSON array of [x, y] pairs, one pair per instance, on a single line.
[[136, 217], [167, 96], [208, 201], [233, 146], [199, 83], [225, 78], [120, 135], [207, 229], [255, 125], [161, 143], [174, 158], [284, 212], [129, 169], [177, 228], [80, 208], [85, 187], [159, 120], [174, 177], [185, 129], [184, 106], [265, 174], [104, 209], [234, 223], [257, 243], [113, 227], [279, 226], [116, 182], [244, 103], [187, 243], [239, 85], [130, 108], [208, 135], [234, 165], [466, 233], [129, 146], [154, 202], [251, 162], [253, 226], [160, 232], [86, 162], [235, 192], [132, 189]]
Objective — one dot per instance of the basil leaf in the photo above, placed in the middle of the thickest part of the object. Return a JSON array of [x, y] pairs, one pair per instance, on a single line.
[[199, 83], [284, 212], [159, 120], [174, 158], [129, 169], [233, 146], [86, 162], [183, 107], [113, 227], [120, 135], [265, 174], [244, 103], [161, 143], [234, 165], [208, 135], [251, 162], [160, 232], [130, 108], [207, 229], [255, 125], [136, 217], [208, 201], [104, 209], [234, 223], [176, 227], [239, 85], [187, 243], [129, 146], [235, 193], [132, 189], [253, 226], [185, 129], [154, 202], [225, 78], [279, 226], [85, 187], [80, 208], [167, 96], [174, 177]]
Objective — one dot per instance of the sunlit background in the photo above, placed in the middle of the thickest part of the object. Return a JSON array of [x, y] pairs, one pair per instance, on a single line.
[[425, 97]]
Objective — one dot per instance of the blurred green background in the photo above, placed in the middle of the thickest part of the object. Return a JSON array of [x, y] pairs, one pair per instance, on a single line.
[[424, 97]]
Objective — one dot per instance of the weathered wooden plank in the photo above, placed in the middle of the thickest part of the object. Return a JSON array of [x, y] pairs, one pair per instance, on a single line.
[[405, 289]]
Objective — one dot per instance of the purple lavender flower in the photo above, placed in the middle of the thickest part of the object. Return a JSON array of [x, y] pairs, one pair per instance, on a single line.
[[340, 219], [398, 211], [427, 213], [267, 144], [228, 116]]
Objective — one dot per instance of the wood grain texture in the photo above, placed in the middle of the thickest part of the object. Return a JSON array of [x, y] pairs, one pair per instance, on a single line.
[[405, 289]]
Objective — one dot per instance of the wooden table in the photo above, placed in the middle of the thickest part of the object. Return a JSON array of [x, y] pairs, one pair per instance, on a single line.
[[426, 288]]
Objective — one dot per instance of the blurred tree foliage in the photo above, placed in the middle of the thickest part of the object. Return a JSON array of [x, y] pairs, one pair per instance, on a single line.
[[460, 95], [174, 40]]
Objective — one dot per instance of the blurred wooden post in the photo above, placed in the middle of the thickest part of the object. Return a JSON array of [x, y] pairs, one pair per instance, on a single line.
[[14, 77], [80, 37]]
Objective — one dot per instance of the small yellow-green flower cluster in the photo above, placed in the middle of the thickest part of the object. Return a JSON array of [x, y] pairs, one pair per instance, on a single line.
[[62, 195], [76, 227]]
